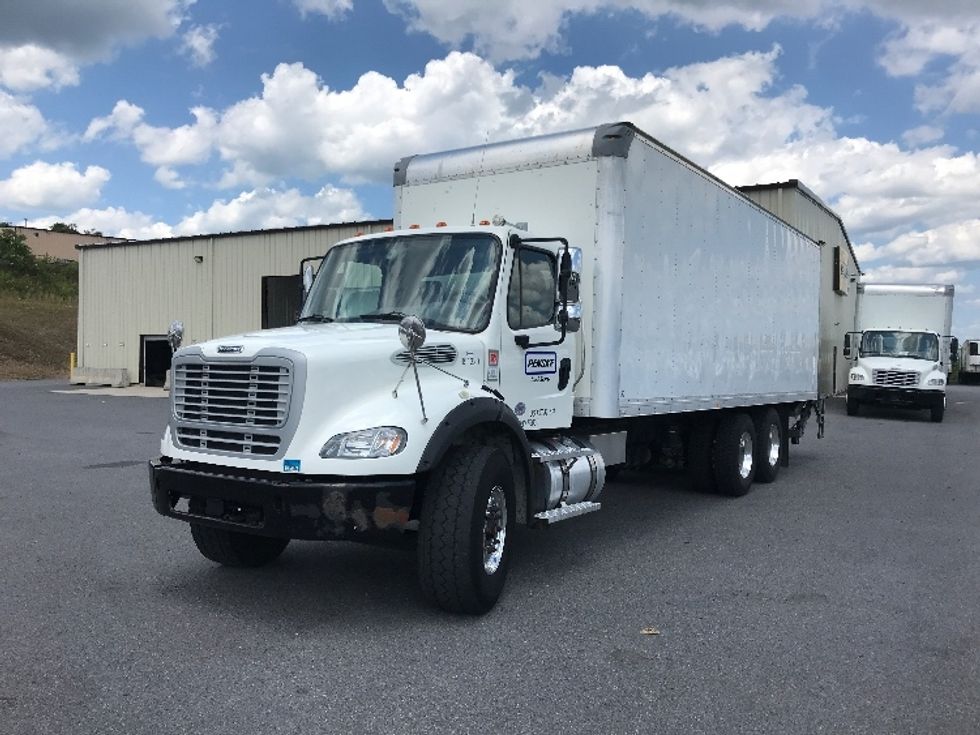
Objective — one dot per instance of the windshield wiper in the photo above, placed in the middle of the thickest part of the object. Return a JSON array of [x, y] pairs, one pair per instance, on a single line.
[[381, 316], [315, 318]]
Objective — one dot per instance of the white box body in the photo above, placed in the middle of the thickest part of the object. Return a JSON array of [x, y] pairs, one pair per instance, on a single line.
[[694, 297]]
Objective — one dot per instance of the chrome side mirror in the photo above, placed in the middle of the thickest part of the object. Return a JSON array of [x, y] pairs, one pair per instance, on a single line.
[[307, 279], [175, 335], [569, 313]]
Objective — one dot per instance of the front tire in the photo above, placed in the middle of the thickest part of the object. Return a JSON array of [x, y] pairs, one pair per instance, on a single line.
[[464, 544], [937, 412], [233, 549], [768, 445], [733, 454], [852, 406]]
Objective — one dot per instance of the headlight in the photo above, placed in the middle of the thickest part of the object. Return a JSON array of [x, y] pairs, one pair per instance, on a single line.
[[856, 377], [936, 381], [382, 441]]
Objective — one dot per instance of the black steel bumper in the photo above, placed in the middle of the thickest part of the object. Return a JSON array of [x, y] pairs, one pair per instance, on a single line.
[[284, 506], [896, 396]]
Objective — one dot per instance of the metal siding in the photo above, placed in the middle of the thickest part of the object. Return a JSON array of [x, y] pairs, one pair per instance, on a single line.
[[133, 289]]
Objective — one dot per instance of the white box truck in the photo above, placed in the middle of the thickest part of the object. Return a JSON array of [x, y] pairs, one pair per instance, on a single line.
[[462, 374], [902, 349], [970, 361]]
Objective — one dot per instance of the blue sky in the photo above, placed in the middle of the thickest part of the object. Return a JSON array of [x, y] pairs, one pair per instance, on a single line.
[[149, 118]]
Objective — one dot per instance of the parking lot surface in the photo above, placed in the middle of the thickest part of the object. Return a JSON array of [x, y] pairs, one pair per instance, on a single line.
[[842, 598]]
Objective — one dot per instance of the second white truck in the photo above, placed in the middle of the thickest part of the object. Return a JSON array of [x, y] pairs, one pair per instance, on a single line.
[[902, 349], [970, 361], [545, 310]]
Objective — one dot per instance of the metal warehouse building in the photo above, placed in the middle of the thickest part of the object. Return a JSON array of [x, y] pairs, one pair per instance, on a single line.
[[130, 292], [792, 202]]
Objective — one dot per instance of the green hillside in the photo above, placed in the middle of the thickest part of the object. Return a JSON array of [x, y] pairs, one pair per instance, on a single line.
[[38, 312]]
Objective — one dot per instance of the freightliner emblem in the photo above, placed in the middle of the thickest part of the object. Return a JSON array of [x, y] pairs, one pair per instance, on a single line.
[[229, 348]]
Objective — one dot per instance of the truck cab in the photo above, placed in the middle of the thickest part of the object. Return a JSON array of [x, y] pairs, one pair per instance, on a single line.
[[899, 367], [422, 355]]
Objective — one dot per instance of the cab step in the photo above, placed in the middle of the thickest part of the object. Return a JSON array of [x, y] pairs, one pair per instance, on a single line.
[[564, 512]]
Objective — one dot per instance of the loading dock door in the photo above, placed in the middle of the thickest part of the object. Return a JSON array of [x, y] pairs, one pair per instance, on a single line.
[[281, 300], [155, 357]]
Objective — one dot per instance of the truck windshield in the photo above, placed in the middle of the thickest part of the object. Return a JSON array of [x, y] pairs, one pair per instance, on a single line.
[[918, 345], [446, 280]]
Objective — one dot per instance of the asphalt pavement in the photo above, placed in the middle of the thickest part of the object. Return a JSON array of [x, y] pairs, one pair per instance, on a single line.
[[844, 598]]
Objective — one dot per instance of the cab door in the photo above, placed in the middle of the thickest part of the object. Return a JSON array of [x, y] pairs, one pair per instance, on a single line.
[[536, 366]]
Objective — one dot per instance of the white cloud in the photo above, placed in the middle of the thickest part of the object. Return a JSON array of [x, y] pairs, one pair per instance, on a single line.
[[333, 9], [112, 222], [91, 30], [256, 209], [42, 185], [198, 44], [184, 145], [516, 29], [300, 127], [30, 67], [953, 48], [906, 274], [923, 135], [168, 178], [957, 242], [270, 208], [22, 125], [724, 114]]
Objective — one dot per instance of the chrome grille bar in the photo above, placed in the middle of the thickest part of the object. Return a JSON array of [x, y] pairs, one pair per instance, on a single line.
[[895, 378]]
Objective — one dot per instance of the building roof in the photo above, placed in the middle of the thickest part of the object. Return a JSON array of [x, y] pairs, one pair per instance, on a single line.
[[805, 191], [239, 233]]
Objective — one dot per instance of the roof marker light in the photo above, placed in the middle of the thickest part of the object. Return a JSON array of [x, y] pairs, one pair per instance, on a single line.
[[484, 222], [413, 227], [440, 223]]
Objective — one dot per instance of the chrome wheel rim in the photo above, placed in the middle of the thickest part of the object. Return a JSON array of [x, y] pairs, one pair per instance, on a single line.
[[494, 529], [773, 445], [745, 456]]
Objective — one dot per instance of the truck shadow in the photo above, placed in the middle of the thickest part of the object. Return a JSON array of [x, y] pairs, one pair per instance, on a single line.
[[892, 413], [318, 583]]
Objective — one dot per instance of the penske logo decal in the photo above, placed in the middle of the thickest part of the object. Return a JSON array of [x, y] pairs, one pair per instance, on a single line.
[[540, 363]]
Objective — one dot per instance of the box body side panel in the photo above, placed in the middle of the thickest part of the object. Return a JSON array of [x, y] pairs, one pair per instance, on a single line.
[[720, 301]]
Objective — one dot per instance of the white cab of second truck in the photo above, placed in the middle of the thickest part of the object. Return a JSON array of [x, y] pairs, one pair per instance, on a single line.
[[970, 361], [544, 310], [902, 347]]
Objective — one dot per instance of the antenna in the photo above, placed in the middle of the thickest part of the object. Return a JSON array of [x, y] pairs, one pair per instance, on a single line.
[[479, 173]]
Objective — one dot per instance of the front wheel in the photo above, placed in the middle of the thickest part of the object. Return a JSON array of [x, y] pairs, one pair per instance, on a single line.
[[852, 406], [464, 540], [936, 413], [234, 549]]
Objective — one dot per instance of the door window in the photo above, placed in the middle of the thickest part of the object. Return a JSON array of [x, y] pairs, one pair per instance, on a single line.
[[531, 300]]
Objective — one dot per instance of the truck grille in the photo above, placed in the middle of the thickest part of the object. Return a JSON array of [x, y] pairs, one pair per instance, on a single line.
[[232, 406], [238, 442], [895, 378], [221, 393]]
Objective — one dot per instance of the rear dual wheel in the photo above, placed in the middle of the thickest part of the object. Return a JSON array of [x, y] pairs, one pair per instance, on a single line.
[[733, 454], [722, 455]]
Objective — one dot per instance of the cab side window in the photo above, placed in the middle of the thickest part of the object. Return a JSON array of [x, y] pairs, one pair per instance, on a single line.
[[531, 299]]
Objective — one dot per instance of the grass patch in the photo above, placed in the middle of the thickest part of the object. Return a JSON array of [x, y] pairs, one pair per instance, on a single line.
[[36, 336]]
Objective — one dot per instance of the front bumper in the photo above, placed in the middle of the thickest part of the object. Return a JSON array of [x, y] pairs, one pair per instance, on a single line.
[[913, 397], [284, 506]]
